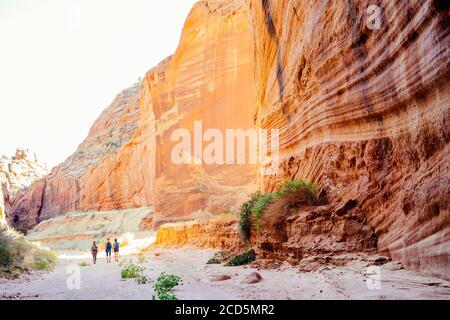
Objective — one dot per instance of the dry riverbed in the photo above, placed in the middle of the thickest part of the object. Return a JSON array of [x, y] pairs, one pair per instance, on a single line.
[[103, 281]]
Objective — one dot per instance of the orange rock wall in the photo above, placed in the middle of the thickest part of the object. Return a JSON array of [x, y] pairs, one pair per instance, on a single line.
[[364, 113], [208, 79], [219, 233], [125, 162]]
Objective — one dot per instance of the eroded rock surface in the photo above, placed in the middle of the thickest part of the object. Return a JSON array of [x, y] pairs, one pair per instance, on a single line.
[[363, 113]]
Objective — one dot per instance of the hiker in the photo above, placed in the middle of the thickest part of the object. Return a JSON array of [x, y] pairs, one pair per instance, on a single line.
[[116, 250], [94, 250], [108, 248]]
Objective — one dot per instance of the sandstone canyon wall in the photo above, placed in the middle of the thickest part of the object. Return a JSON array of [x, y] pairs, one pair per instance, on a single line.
[[97, 176], [125, 162], [209, 79], [363, 113]]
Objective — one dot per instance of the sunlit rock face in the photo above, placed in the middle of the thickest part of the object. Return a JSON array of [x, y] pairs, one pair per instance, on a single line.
[[17, 173], [208, 79], [97, 176], [126, 162], [364, 113]]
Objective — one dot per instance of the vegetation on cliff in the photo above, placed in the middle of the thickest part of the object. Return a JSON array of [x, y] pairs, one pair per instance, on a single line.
[[274, 205], [17, 255], [242, 259]]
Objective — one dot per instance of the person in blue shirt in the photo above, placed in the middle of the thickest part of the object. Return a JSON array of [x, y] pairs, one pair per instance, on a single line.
[[116, 250], [108, 249]]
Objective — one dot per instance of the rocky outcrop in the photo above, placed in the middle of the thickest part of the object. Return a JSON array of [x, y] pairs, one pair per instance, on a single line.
[[364, 113], [220, 232], [321, 231], [17, 173]]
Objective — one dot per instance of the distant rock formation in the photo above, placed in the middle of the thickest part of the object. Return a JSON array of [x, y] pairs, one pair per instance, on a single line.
[[91, 178], [17, 173]]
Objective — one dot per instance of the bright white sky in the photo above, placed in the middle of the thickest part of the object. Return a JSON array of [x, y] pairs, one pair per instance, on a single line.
[[63, 61]]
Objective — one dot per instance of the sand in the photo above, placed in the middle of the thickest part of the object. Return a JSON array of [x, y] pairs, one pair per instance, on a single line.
[[103, 281]]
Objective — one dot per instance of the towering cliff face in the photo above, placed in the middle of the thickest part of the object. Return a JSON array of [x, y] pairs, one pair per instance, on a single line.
[[97, 175], [209, 79], [17, 173], [126, 160], [364, 113]]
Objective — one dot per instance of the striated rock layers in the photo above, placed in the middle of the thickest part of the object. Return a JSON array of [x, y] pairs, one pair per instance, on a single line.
[[220, 232], [364, 113], [17, 173]]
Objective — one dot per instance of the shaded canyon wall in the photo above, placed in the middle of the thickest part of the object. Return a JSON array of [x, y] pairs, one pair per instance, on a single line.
[[364, 113]]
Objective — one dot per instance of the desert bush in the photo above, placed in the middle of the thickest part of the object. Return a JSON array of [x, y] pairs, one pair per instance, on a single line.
[[290, 186], [5, 256], [260, 205], [18, 255], [241, 259], [131, 271], [290, 195], [164, 285], [142, 279], [245, 216], [218, 258], [83, 264]]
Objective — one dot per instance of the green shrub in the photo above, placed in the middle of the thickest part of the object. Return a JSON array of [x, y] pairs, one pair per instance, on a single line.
[[40, 264], [245, 216], [242, 259], [83, 264], [218, 258], [131, 271], [141, 279], [5, 256], [253, 210], [18, 255], [259, 206], [164, 285], [292, 186]]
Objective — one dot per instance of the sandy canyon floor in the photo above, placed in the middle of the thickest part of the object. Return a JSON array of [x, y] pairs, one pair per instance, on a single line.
[[103, 281]]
